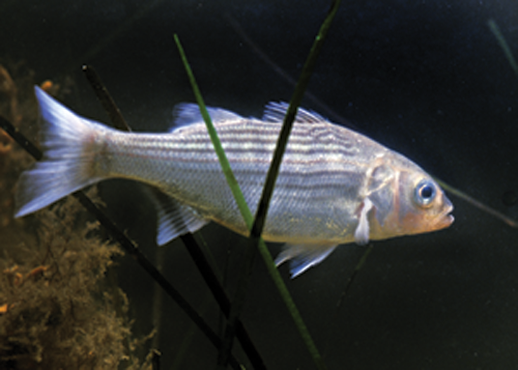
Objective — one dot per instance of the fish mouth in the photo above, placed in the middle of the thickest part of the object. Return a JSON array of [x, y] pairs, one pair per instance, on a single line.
[[445, 219]]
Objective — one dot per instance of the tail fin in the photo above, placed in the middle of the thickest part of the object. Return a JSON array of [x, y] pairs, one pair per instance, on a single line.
[[69, 148]]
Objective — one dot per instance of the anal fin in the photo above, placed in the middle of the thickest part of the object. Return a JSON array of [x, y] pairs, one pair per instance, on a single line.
[[303, 256], [174, 218]]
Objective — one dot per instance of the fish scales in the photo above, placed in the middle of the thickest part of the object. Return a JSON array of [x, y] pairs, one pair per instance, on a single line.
[[185, 165], [334, 186]]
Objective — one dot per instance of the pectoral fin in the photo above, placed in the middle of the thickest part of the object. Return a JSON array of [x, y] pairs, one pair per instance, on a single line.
[[361, 235], [303, 256], [174, 218]]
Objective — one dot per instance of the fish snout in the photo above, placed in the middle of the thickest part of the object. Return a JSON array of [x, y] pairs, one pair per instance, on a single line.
[[444, 218]]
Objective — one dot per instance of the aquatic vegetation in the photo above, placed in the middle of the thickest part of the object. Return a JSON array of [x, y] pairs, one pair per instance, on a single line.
[[256, 227], [41, 269], [56, 308], [12, 158], [133, 250], [493, 26]]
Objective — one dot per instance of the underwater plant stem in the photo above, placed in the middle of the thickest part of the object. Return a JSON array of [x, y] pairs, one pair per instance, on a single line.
[[236, 307], [120, 28], [222, 157], [273, 171], [17, 136], [221, 298], [491, 211], [330, 112], [357, 269], [282, 142], [503, 44], [155, 359], [259, 220], [188, 240], [125, 242], [237, 304], [105, 98]]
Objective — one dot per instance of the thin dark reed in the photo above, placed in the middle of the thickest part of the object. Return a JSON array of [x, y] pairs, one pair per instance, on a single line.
[[296, 99], [188, 240], [322, 106], [221, 298], [119, 237], [264, 202], [105, 98], [258, 223], [155, 359], [226, 347], [357, 269], [493, 26]]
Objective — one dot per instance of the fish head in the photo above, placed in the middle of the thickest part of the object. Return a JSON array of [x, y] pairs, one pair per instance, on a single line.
[[406, 200], [420, 204]]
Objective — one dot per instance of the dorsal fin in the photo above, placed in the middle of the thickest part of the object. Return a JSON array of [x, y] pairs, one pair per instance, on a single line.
[[188, 113], [275, 112]]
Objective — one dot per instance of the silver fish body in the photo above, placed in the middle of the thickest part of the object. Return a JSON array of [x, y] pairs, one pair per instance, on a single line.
[[316, 195], [335, 186]]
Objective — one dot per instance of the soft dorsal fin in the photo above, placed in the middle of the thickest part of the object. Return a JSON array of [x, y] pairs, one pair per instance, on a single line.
[[275, 112], [188, 113], [303, 256], [174, 218]]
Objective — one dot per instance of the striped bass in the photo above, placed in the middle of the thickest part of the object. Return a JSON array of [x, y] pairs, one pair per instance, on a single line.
[[335, 186]]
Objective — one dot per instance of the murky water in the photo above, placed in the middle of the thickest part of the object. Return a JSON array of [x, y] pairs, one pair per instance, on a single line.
[[427, 79]]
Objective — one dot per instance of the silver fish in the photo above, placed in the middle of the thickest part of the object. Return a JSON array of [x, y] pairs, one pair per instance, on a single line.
[[335, 186]]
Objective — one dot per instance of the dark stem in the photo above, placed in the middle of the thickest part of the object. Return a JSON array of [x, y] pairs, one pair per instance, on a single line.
[[188, 240], [119, 237], [264, 202]]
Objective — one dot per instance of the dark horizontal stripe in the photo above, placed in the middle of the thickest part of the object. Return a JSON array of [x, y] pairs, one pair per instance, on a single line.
[[258, 134], [208, 154]]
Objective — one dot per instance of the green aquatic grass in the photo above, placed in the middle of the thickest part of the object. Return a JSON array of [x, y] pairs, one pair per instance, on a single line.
[[236, 306], [503, 44], [476, 203], [120, 237], [259, 220], [194, 250], [256, 225], [287, 125], [223, 160]]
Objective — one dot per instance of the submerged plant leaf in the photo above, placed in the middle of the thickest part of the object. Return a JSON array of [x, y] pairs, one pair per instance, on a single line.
[[262, 210], [60, 313], [124, 242], [503, 44], [188, 240]]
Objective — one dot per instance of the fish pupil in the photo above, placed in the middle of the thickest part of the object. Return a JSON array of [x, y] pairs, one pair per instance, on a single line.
[[427, 192]]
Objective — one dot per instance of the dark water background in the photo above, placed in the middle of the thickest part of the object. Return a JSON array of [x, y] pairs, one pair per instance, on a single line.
[[426, 78]]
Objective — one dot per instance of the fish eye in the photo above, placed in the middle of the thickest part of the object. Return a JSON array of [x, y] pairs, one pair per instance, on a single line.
[[425, 193]]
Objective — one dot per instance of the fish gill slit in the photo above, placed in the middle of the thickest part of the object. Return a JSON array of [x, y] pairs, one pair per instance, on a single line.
[[377, 163]]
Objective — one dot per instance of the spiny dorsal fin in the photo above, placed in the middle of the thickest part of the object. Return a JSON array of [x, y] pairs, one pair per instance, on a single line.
[[188, 113], [275, 112]]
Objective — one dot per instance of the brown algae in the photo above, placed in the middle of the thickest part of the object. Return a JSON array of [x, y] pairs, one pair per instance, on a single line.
[[57, 310]]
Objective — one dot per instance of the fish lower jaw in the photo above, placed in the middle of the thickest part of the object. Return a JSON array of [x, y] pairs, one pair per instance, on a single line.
[[445, 219]]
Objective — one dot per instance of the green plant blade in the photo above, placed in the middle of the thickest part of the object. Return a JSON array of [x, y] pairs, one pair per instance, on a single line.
[[503, 44], [247, 215], [282, 142]]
